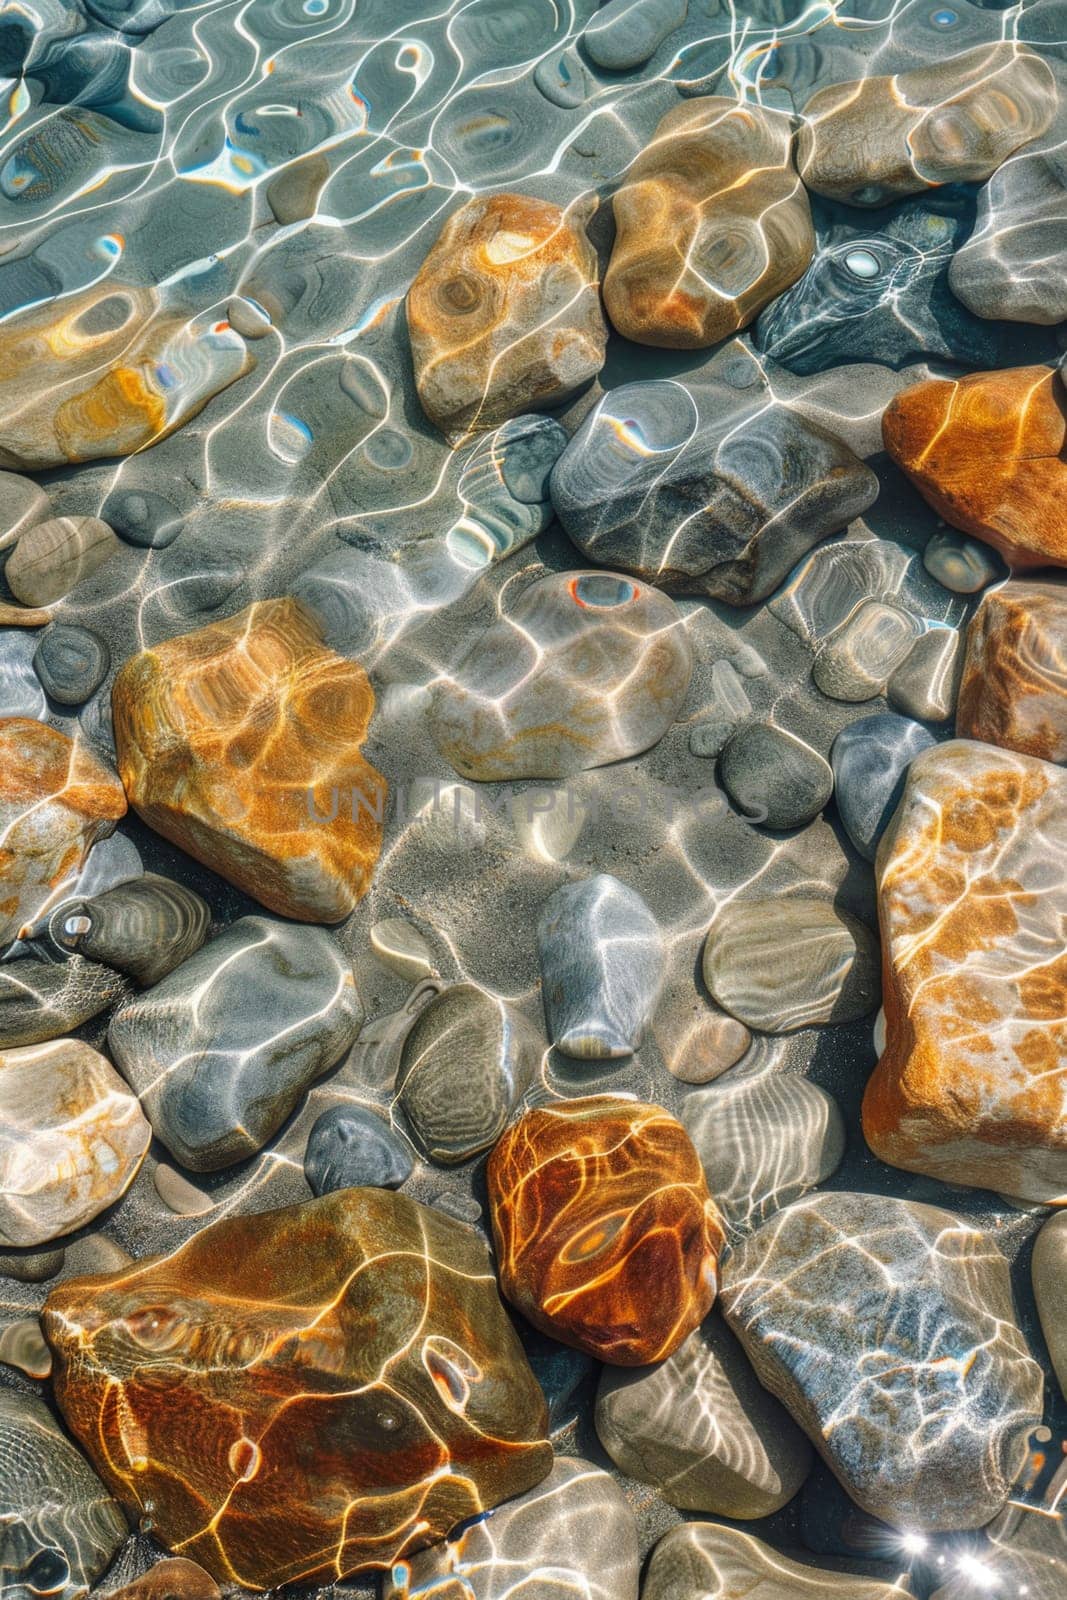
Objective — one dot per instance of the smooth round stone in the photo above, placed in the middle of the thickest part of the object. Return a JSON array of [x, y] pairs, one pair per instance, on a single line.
[[574, 1537], [467, 1061], [858, 660], [351, 1147], [248, 317], [143, 518], [401, 947], [870, 760], [562, 79], [61, 1527], [528, 448], [927, 682], [54, 557], [701, 1043], [963, 565], [763, 1142], [71, 663], [22, 1345], [783, 964], [773, 777], [602, 961], [174, 1579], [886, 1327], [178, 1194], [145, 927], [702, 1430], [626, 33], [1049, 1271], [31, 1266], [700, 1560]]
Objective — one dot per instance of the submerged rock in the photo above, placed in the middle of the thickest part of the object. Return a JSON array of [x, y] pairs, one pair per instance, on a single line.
[[146, 927], [969, 1088], [466, 1062], [606, 1236], [352, 1147], [39, 1000], [602, 964], [584, 668], [71, 663], [575, 1534], [105, 372], [1014, 265], [887, 1329], [504, 314], [870, 758], [702, 1430], [175, 1579], [711, 223], [55, 557], [700, 1559], [60, 1526], [715, 489], [952, 122], [72, 1139], [987, 452], [1048, 1268], [1013, 692], [221, 1050], [773, 777], [56, 801], [367, 1324], [240, 743], [626, 33], [783, 964]]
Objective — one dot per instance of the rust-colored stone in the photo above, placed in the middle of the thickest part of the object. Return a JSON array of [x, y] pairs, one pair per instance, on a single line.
[[504, 315], [606, 1236], [174, 1579], [972, 1084], [712, 222], [1014, 687], [56, 800], [294, 1396], [240, 743], [987, 452]]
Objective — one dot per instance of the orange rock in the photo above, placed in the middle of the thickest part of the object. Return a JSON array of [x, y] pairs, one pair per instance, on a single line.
[[504, 315], [105, 372], [972, 1084], [1014, 687], [987, 452], [712, 222], [606, 1236], [240, 743], [56, 800]]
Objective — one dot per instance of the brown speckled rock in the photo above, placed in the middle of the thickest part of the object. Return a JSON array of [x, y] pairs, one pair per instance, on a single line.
[[711, 223], [240, 743], [972, 1084], [987, 452], [1014, 687], [56, 800], [504, 315]]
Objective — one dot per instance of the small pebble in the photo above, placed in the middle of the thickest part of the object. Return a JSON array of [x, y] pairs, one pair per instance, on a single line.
[[351, 1147], [402, 948], [22, 1345], [962, 565], [55, 557], [71, 663], [775, 778], [178, 1194], [31, 1266]]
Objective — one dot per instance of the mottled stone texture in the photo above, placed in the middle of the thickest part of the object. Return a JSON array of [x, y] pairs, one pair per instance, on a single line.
[[240, 743], [504, 315], [953, 121], [711, 223], [987, 452], [1014, 687], [105, 372], [887, 1328], [300, 1394], [56, 800], [72, 1138], [971, 1085], [593, 1201]]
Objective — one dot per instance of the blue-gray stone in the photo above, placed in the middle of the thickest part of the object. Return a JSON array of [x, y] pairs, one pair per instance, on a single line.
[[221, 1050], [870, 760], [773, 777], [625, 33], [351, 1147], [602, 965], [142, 517], [145, 927], [71, 663], [879, 293]]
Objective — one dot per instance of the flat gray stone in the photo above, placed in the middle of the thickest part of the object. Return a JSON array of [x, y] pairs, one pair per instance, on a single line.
[[71, 663], [870, 760], [774, 777], [352, 1147], [602, 965]]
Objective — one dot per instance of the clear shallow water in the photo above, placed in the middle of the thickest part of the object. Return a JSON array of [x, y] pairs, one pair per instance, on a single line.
[[283, 169]]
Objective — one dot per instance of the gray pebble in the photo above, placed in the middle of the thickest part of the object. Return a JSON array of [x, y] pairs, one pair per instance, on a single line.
[[71, 663], [602, 963], [870, 759], [773, 777], [351, 1147]]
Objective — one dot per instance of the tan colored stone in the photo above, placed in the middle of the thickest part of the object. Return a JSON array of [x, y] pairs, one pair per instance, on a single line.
[[72, 1139], [54, 557], [240, 743], [104, 372], [504, 314], [56, 800], [712, 223], [972, 1085], [987, 452], [1014, 687]]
